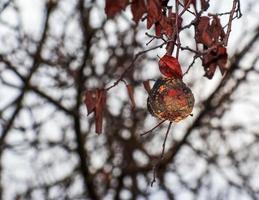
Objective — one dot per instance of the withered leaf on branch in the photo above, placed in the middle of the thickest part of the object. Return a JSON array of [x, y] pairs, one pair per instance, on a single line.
[[214, 58], [211, 35], [164, 22], [201, 31], [130, 91], [216, 29], [99, 110], [154, 10], [147, 85], [91, 97], [170, 67], [205, 4], [138, 8], [112, 7], [167, 25], [95, 101]]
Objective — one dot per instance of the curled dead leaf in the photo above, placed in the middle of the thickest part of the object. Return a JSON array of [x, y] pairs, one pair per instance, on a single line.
[[170, 67], [130, 90], [95, 101]]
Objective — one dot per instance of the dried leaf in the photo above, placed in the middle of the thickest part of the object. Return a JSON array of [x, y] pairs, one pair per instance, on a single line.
[[201, 28], [158, 29], [210, 70], [209, 34], [138, 8], [167, 25], [90, 100], [205, 4], [217, 57], [130, 90], [95, 102], [206, 39], [216, 29], [222, 59], [170, 67], [147, 86], [112, 7], [154, 10], [99, 109]]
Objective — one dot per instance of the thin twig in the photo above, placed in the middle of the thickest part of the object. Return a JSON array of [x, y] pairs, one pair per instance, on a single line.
[[156, 165], [163, 150], [230, 22], [149, 131], [177, 30], [190, 66], [136, 57]]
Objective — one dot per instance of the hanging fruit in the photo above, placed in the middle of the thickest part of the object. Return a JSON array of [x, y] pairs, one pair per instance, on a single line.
[[170, 99]]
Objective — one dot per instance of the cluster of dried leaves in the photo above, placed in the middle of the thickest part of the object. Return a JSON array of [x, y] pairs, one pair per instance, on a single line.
[[211, 34], [167, 21]]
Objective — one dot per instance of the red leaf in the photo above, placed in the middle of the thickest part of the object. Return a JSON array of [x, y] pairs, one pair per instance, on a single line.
[[167, 25], [154, 10], [138, 8], [216, 29], [210, 70], [100, 105], [217, 57], [130, 90], [90, 100], [147, 86], [95, 101], [222, 59], [209, 34], [170, 67], [206, 39], [205, 5], [201, 35], [158, 29], [112, 7]]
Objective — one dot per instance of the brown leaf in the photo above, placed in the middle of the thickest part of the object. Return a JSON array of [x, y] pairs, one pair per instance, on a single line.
[[216, 30], [154, 10], [138, 8], [210, 70], [90, 100], [99, 109], [222, 60], [217, 57], [112, 7], [201, 35], [205, 5], [158, 29], [130, 90], [206, 39], [167, 25], [95, 101], [147, 86], [209, 34]]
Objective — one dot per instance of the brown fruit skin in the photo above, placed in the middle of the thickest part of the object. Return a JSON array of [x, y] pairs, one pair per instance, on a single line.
[[170, 99]]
